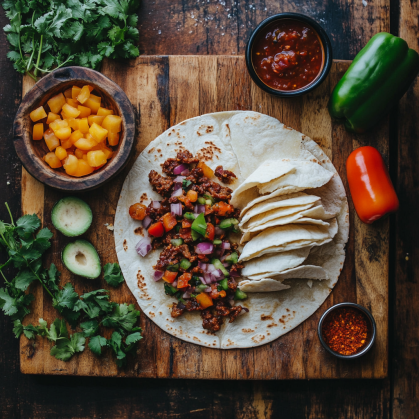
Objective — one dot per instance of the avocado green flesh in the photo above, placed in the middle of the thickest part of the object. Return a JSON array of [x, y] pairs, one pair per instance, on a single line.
[[72, 216], [81, 258]]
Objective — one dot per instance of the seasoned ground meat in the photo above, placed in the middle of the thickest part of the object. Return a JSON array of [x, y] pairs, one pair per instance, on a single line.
[[232, 285], [224, 175], [197, 270], [185, 157], [192, 305], [211, 322], [214, 189], [234, 312], [185, 234], [236, 269], [168, 166], [162, 185], [195, 175], [155, 213], [222, 308], [169, 256], [176, 310]]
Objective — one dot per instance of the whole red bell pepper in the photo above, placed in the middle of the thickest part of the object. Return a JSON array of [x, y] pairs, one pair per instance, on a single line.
[[371, 188]]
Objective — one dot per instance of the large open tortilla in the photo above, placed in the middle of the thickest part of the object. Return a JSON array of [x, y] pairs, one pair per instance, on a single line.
[[239, 141]]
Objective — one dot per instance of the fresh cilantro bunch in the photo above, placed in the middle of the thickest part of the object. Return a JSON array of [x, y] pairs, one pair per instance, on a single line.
[[48, 34], [25, 248]]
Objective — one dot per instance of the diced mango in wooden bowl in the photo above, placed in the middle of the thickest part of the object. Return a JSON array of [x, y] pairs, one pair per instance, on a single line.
[[81, 133]]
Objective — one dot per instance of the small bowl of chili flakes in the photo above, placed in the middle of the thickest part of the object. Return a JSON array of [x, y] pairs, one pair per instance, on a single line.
[[288, 54], [347, 330]]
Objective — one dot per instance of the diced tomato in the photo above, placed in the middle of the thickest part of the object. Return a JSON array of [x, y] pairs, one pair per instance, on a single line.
[[192, 195], [222, 293], [210, 233], [185, 233], [169, 221], [183, 280], [169, 276], [208, 210], [136, 211], [222, 209], [186, 223], [156, 229], [203, 258], [208, 172], [185, 200], [204, 300]]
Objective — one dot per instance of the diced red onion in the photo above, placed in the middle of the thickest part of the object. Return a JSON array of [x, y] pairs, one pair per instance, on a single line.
[[176, 209], [202, 280], [204, 248], [219, 252], [156, 204], [208, 289], [243, 310], [223, 258], [198, 208], [226, 265], [203, 266], [178, 192], [179, 169], [187, 294], [218, 231], [185, 172], [177, 186], [225, 245], [235, 273], [211, 268], [217, 274], [174, 283], [179, 179], [147, 221], [208, 278], [157, 275], [143, 246]]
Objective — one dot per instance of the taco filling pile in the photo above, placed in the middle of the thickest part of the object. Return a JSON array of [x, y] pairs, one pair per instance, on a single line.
[[195, 225]]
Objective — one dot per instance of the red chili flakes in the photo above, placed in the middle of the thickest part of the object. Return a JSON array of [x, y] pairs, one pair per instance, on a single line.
[[345, 330]]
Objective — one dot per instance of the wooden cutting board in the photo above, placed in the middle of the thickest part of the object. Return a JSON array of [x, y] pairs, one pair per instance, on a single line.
[[165, 91]]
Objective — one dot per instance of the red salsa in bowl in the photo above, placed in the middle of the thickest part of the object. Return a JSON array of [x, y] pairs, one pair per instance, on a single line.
[[288, 54]]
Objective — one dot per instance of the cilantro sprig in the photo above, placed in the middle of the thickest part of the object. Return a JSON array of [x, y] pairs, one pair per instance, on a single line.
[[48, 34], [25, 247]]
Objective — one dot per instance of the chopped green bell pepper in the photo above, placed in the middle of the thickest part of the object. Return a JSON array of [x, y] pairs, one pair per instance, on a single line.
[[224, 284], [200, 225], [218, 265], [240, 295], [227, 223], [185, 264], [233, 258], [189, 216], [378, 77], [173, 268], [176, 242]]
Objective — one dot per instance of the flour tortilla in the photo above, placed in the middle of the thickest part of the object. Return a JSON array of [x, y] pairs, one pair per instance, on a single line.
[[228, 139], [263, 285], [303, 271]]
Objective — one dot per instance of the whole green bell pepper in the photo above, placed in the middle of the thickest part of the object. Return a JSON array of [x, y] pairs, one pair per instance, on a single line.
[[378, 77]]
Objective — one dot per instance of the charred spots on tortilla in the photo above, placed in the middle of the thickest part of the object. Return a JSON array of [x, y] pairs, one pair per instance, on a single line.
[[265, 317], [247, 330], [125, 245], [169, 134], [159, 150], [139, 231], [151, 150], [272, 325]]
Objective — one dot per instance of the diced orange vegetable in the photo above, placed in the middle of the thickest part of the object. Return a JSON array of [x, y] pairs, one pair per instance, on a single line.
[[222, 209], [58, 124], [83, 125], [208, 172], [93, 105], [85, 158], [70, 111], [107, 151], [113, 138], [112, 123], [94, 119], [96, 158], [95, 98], [222, 293], [52, 117], [169, 276], [74, 123], [89, 137], [91, 88], [75, 136], [73, 103], [63, 133], [156, 229], [51, 140], [70, 164], [186, 223], [192, 195], [37, 114], [75, 91], [85, 144], [56, 103], [183, 280], [137, 211], [52, 160], [66, 144], [68, 93], [204, 300], [169, 221], [38, 131], [60, 153], [104, 112], [84, 94], [83, 169], [79, 153], [97, 132], [84, 111]]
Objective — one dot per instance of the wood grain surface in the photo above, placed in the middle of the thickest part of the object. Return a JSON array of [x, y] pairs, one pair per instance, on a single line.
[[349, 23], [166, 91]]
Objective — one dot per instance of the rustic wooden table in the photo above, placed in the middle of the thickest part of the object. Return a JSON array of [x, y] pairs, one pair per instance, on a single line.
[[222, 27]]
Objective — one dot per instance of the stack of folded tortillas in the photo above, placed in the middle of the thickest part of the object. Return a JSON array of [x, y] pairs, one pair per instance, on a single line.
[[280, 224]]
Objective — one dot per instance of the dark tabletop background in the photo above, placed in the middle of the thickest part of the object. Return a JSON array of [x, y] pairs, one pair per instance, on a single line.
[[222, 27]]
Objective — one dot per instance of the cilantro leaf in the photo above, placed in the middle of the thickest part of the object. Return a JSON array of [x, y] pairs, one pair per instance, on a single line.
[[96, 343], [27, 225], [112, 274], [23, 279], [66, 348], [133, 337], [89, 328], [122, 318]]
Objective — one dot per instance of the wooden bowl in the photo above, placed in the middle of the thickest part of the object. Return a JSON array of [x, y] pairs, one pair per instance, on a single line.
[[31, 152]]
